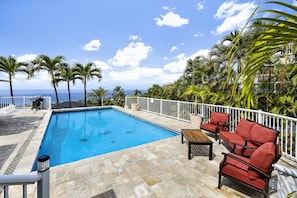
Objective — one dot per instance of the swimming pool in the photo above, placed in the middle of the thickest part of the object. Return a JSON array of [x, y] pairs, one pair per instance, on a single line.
[[75, 135]]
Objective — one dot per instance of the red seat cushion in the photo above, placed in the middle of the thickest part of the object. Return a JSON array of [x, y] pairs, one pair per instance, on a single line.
[[262, 158], [227, 136], [218, 117], [262, 134], [209, 127], [244, 127], [238, 170]]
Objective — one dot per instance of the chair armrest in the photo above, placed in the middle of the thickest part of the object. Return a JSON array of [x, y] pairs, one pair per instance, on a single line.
[[252, 167], [221, 125], [243, 147], [254, 141]]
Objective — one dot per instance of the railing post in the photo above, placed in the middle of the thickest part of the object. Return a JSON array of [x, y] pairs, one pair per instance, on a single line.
[[49, 103], [137, 101], [203, 110], [148, 105], [43, 186], [228, 109], [260, 120], [6, 191], [161, 110], [178, 109]]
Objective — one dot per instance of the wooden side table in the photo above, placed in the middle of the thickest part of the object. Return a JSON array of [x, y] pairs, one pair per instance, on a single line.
[[196, 137]]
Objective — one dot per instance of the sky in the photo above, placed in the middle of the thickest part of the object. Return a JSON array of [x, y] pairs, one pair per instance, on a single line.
[[135, 43]]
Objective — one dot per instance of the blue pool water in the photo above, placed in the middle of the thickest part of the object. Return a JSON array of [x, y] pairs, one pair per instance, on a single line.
[[71, 136]]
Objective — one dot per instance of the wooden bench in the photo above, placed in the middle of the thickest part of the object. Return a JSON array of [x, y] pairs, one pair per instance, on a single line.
[[196, 137]]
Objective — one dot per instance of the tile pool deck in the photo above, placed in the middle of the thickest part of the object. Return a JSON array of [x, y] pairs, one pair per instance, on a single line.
[[157, 169]]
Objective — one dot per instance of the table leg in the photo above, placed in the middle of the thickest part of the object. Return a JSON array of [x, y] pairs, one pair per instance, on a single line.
[[182, 138], [210, 151], [189, 150]]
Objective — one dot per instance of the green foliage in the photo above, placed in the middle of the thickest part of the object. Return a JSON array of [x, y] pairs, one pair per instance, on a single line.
[[118, 96], [98, 95], [292, 195], [52, 66], [11, 67], [85, 73]]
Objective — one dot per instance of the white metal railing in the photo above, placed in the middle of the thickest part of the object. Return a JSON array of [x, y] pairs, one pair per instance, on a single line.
[[25, 101], [181, 110], [42, 178]]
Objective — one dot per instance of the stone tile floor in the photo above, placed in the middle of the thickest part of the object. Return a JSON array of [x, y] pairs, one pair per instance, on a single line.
[[157, 169]]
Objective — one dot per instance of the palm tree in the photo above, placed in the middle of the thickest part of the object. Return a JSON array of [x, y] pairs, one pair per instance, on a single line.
[[98, 94], [11, 66], [137, 92], [85, 73], [67, 73], [52, 66], [155, 92], [118, 96], [276, 37]]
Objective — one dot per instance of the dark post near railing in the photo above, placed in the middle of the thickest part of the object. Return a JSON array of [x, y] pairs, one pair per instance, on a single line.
[[43, 168]]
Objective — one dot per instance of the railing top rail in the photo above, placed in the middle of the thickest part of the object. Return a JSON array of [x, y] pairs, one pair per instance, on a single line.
[[19, 179], [235, 108]]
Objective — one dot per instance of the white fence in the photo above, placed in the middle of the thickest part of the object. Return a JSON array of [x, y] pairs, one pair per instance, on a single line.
[[25, 101], [180, 110]]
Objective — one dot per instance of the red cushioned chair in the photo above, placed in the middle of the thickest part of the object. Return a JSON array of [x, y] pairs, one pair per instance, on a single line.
[[255, 171], [218, 121]]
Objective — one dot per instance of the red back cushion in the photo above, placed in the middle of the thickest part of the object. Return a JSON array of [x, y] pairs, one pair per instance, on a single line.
[[244, 127], [262, 158], [262, 134], [219, 117]]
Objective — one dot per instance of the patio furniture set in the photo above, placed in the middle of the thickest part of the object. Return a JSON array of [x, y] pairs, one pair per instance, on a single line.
[[253, 150]]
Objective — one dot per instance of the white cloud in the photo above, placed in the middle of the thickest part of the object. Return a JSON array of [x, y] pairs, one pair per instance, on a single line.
[[294, 3], [40, 80], [178, 65], [135, 74], [173, 48], [200, 53], [169, 78], [235, 15], [102, 65], [26, 57], [131, 55], [198, 35], [134, 37], [93, 45], [171, 19], [200, 5]]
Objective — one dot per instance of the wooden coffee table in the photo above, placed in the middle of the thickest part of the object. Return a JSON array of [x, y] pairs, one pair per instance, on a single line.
[[196, 137]]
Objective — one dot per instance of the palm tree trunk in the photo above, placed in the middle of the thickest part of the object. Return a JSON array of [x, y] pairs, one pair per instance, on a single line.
[[85, 90], [11, 92], [69, 95], [56, 93]]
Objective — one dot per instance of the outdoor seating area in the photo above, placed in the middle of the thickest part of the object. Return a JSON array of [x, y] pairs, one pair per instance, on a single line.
[[218, 122], [248, 136], [253, 150], [254, 172]]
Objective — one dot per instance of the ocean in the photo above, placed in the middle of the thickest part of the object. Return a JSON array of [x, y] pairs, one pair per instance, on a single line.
[[62, 93]]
